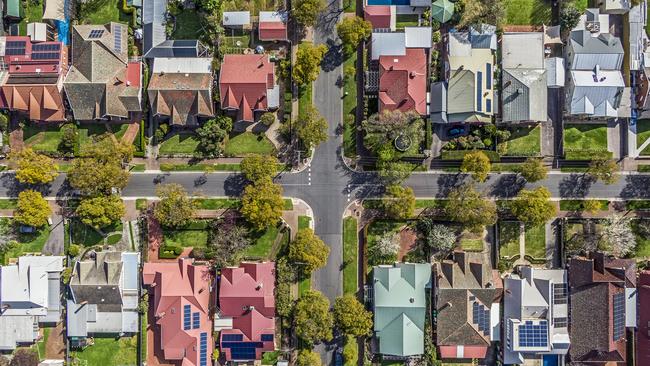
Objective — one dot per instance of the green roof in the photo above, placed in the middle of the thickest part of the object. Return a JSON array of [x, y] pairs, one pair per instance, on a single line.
[[13, 8], [442, 10], [400, 307]]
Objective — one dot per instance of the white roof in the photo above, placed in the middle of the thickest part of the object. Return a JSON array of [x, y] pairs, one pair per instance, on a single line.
[[273, 16], [630, 307], [604, 78], [417, 37], [54, 10], [37, 32], [388, 44], [130, 273], [191, 65], [236, 18], [596, 97], [523, 50], [603, 19], [24, 286], [459, 44], [555, 72], [16, 329]]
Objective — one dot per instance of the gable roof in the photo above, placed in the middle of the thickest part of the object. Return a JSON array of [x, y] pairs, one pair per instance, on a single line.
[[380, 16], [402, 82], [246, 83], [272, 26], [24, 286], [399, 307], [153, 24], [524, 95]]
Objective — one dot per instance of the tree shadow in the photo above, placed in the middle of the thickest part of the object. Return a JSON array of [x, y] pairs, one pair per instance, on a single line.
[[636, 186], [576, 185], [507, 186], [234, 184], [333, 57], [447, 182]]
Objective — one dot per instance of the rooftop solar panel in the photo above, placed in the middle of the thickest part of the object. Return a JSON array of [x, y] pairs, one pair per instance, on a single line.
[[187, 321], [267, 337], [96, 33], [14, 51], [16, 44], [117, 38], [46, 47], [619, 316], [232, 338], [481, 317], [533, 335], [560, 293], [45, 56]]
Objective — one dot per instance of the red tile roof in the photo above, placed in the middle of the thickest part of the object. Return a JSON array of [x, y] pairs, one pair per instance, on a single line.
[[41, 102], [273, 31], [243, 84], [378, 15], [246, 295], [175, 286], [643, 332], [403, 82]]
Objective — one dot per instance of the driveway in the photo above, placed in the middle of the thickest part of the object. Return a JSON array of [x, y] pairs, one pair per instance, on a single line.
[[56, 240]]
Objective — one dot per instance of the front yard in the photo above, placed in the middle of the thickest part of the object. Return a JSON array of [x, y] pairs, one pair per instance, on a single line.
[[42, 138], [109, 352], [643, 134], [508, 239], [87, 236], [524, 141], [584, 141], [179, 143], [26, 243], [249, 143], [536, 241]]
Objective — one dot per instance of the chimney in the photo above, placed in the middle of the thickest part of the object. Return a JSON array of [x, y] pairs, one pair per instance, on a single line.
[[446, 305], [259, 286], [412, 74], [507, 84]]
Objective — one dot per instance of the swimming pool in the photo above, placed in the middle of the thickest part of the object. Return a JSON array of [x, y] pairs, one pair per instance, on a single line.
[[389, 2]]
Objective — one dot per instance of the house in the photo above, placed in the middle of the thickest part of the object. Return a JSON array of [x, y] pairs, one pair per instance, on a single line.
[[470, 84], [643, 330], [273, 26], [236, 19], [102, 82], [400, 79], [536, 316], [180, 89], [178, 48], [524, 80], [399, 300], [104, 296], [31, 78], [603, 304], [29, 296], [179, 294], [595, 86], [247, 86], [153, 24], [382, 17], [246, 316], [467, 296]]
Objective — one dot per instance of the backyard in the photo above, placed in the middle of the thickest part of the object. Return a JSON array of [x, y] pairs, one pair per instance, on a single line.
[[406, 20], [524, 141], [102, 12], [643, 134], [583, 141], [254, 6], [109, 352], [187, 25], [527, 12], [33, 13]]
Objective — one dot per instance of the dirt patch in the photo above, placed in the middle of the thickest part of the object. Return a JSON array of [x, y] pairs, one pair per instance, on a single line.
[[407, 242], [55, 346]]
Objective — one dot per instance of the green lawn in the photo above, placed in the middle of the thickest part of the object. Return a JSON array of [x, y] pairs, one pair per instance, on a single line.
[[263, 243], [642, 242], [578, 205], [505, 167], [527, 12], [84, 235], [429, 203], [33, 13], [88, 132], [254, 6], [304, 286], [41, 343], [303, 222], [508, 238], [217, 203], [188, 25], [471, 242], [525, 141], [406, 20], [643, 134], [26, 243], [180, 143], [350, 251], [270, 358], [186, 238], [305, 99], [103, 12], [536, 241], [581, 141], [45, 138], [110, 352], [349, 109], [249, 143]]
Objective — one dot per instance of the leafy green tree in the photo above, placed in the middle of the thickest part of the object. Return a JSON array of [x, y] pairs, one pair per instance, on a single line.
[[383, 128], [399, 202], [68, 138], [107, 149], [33, 168], [212, 136], [312, 319], [351, 317], [267, 118], [394, 172], [311, 128], [93, 177], [73, 250], [308, 252], [476, 163], [308, 59], [262, 203], [257, 167], [353, 30], [533, 207], [476, 12], [533, 170], [33, 209], [466, 206], [306, 12], [350, 352], [603, 169], [307, 357], [227, 242], [569, 16], [175, 208], [435, 237], [101, 211], [591, 206]]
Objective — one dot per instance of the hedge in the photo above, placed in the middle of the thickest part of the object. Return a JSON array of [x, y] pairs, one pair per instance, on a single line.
[[169, 252], [587, 154], [460, 154], [643, 168]]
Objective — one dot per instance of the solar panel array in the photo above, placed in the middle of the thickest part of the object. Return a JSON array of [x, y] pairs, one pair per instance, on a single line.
[[15, 48], [481, 317], [45, 56], [48, 47], [242, 350], [533, 335], [117, 37], [203, 349], [560, 293], [187, 321], [267, 337], [96, 33], [619, 316], [232, 338], [196, 320]]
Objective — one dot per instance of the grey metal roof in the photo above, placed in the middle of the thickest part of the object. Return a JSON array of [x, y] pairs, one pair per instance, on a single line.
[[176, 48], [236, 18], [524, 95], [461, 91], [438, 104], [153, 20]]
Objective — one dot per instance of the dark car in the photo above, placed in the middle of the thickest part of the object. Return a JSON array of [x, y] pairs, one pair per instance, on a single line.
[[456, 131], [338, 357]]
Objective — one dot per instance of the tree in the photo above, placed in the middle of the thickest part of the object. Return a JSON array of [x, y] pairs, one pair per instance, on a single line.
[[93, 177], [533, 207], [350, 352], [307, 357], [33, 168], [466, 206], [73, 250], [308, 251], [436, 237], [603, 169], [476, 12], [313, 321], [68, 138], [25, 357], [306, 12], [383, 128], [476, 163], [569, 16], [533, 170], [394, 172], [101, 211], [617, 237], [175, 208], [311, 128], [262, 203], [7, 236], [399, 202], [591, 206], [227, 242], [32, 209], [257, 167], [351, 317], [307, 66], [212, 136], [353, 30], [385, 249], [106, 149]]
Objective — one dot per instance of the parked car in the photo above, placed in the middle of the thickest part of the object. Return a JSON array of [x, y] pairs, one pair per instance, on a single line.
[[455, 131], [338, 357]]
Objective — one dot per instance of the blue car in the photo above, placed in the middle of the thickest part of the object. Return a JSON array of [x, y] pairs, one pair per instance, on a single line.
[[338, 358], [456, 131]]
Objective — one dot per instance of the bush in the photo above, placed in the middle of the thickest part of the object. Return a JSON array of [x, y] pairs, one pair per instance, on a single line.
[[73, 250], [170, 251], [267, 118], [4, 121], [161, 131], [68, 138], [460, 154]]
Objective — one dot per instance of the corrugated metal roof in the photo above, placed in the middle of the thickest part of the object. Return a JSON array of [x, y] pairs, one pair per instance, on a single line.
[[417, 37], [523, 50], [153, 20], [236, 18], [524, 95], [461, 91], [387, 44]]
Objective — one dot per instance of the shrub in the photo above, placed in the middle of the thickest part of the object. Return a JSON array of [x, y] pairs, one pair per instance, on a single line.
[[4, 122], [73, 250], [68, 138], [267, 118]]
